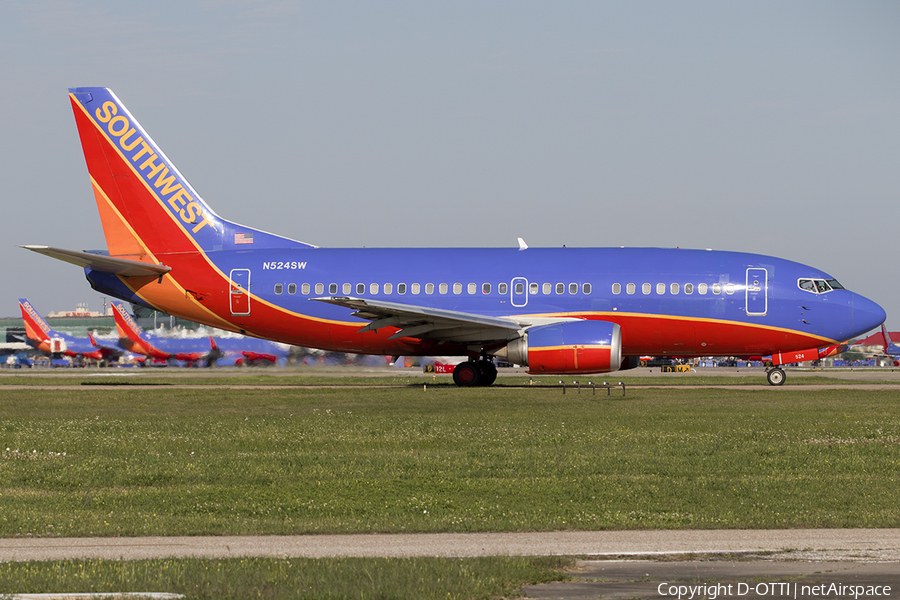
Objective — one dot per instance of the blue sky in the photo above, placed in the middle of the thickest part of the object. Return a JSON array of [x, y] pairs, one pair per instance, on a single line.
[[767, 127]]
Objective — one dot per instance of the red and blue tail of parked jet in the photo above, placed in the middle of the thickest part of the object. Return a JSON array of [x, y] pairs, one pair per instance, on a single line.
[[132, 337], [40, 335], [556, 310]]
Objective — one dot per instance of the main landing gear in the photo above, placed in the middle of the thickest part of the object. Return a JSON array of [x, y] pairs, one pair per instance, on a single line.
[[775, 376], [474, 372]]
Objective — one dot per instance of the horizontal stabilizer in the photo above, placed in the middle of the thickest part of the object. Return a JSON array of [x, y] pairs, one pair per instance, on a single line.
[[99, 262]]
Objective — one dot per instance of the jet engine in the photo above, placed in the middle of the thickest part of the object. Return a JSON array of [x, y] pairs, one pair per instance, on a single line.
[[573, 347]]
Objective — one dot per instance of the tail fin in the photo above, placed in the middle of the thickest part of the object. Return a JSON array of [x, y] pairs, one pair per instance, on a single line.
[[130, 333], [148, 209], [887, 338], [36, 328]]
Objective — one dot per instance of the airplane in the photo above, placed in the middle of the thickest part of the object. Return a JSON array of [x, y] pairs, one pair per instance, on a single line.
[[40, 335], [132, 337], [555, 310], [891, 350], [246, 351]]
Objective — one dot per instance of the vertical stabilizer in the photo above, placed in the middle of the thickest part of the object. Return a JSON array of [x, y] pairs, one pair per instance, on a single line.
[[36, 328], [887, 339], [148, 209], [131, 336]]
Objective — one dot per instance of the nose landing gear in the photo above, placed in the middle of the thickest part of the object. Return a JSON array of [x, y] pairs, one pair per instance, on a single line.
[[775, 376]]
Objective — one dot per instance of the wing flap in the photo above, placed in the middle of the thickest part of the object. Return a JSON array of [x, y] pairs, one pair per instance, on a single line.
[[425, 322]]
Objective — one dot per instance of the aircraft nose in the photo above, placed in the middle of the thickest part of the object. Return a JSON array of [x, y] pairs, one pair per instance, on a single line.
[[866, 314]]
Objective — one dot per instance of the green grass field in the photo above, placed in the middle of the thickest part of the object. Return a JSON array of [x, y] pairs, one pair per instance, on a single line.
[[109, 460], [349, 378], [275, 579]]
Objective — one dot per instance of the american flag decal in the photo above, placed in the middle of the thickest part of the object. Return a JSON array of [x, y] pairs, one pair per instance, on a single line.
[[243, 238]]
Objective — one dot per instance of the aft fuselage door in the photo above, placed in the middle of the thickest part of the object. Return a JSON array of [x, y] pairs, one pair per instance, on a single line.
[[519, 291], [757, 291], [239, 291]]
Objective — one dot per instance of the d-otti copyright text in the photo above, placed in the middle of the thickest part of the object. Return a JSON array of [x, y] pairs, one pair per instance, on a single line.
[[781, 589]]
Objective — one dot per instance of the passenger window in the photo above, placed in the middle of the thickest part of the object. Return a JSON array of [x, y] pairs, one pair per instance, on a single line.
[[457, 288], [586, 289], [533, 288], [660, 289], [320, 289], [689, 288], [485, 288], [547, 289], [729, 288], [442, 288], [360, 289], [560, 288], [332, 288], [279, 288], [503, 288], [304, 289], [416, 288], [645, 288], [701, 289], [629, 289], [520, 288], [388, 288], [373, 288], [471, 288], [347, 288], [429, 288], [401, 288], [292, 288], [617, 288], [717, 288], [573, 288], [673, 289]]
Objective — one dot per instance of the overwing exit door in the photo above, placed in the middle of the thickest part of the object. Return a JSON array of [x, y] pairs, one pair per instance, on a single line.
[[757, 288], [519, 291]]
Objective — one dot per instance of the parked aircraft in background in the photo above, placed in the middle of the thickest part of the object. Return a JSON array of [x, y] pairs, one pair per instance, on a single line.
[[247, 352], [890, 350], [556, 310], [41, 336], [208, 350], [201, 351]]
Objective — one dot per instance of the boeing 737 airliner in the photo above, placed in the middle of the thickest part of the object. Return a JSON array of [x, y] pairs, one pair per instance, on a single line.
[[133, 338], [556, 310], [39, 334]]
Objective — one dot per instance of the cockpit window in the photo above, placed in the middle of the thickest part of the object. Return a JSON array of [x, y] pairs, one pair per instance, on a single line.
[[819, 286]]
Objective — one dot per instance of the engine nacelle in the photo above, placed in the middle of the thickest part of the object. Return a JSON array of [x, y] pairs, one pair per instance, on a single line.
[[574, 347]]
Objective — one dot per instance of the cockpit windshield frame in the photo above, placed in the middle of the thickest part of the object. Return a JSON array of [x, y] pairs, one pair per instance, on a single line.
[[818, 286]]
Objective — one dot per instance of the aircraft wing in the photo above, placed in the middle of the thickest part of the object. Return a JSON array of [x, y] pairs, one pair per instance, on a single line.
[[431, 323], [100, 262]]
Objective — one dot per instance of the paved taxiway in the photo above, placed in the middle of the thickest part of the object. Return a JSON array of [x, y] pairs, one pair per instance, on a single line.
[[849, 557], [885, 542]]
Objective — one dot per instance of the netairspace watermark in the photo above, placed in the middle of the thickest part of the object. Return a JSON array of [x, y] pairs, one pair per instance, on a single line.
[[782, 589]]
